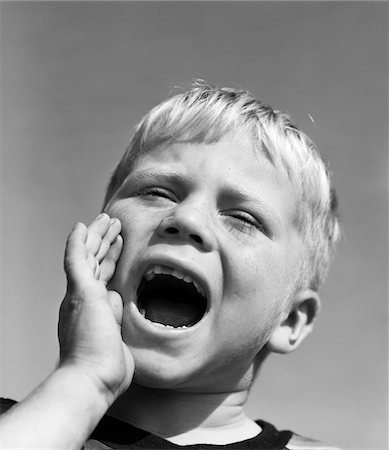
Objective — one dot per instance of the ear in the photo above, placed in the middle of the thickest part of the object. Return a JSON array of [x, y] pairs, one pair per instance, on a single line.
[[299, 323]]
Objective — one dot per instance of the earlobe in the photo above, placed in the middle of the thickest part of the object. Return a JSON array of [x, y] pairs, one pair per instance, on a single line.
[[299, 323]]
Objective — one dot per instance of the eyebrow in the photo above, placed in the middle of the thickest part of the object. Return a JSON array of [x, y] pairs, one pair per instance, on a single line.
[[157, 175]]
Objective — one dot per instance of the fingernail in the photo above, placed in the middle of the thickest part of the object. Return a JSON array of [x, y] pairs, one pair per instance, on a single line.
[[113, 221], [100, 216]]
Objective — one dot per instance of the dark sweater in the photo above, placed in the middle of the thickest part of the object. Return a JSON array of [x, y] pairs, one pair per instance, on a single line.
[[112, 433]]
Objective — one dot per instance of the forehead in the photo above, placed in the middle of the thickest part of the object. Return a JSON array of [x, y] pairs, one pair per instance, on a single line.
[[233, 165]]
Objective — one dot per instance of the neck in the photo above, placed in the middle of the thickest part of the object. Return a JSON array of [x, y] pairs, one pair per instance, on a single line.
[[187, 418]]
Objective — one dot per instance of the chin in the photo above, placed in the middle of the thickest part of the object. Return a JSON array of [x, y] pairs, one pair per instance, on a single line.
[[160, 372], [162, 375]]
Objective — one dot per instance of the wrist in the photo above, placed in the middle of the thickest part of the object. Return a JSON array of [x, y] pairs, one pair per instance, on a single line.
[[82, 381]]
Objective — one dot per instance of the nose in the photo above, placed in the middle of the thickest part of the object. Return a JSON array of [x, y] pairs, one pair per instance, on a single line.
[[188, 224]]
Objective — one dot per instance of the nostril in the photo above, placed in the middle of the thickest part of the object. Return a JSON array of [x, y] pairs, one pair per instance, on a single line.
[[171, 230], [196, 238]]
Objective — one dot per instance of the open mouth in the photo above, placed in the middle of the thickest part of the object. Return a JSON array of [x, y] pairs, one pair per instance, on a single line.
[[171, 298]]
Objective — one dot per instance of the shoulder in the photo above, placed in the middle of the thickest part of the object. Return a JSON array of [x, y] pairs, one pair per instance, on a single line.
[[298, 442], [289, 440]]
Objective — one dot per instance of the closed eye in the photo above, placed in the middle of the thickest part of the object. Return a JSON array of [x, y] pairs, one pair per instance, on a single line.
[[244, 222], [157, 193]]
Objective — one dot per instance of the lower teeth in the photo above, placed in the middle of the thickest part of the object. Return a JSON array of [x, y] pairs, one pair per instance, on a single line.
[[162, 324]]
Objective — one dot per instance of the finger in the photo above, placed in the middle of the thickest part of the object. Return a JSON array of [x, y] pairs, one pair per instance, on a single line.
[[97, 271], [75, 250], [108, 264], [96, 232], [116, 303], [109, 238], [93, 265]]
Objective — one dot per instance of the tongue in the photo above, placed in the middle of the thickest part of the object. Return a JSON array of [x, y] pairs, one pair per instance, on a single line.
[[171, 312]]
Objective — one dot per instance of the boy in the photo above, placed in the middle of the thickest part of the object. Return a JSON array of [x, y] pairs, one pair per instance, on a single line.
[[218, 226]]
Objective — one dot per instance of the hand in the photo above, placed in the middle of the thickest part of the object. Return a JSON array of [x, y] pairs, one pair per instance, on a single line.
[[90, 315]]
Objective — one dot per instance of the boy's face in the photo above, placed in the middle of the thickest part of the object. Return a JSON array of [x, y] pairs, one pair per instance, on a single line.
[[222, 215]]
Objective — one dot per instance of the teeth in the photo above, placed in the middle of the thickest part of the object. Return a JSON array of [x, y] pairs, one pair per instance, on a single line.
[[178, 275], [149, 276], [200, 290], [157, 270], [161, 325]]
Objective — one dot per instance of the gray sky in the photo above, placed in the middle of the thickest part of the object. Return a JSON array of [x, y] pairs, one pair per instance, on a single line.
[[77, 76]]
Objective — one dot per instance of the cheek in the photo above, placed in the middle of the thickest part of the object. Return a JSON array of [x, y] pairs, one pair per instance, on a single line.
[[253, 276], [239, 335], [257, 290], [133, 234], [123, 211], [132, 224]]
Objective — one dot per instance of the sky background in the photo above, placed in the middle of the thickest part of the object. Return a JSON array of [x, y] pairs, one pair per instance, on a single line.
[[75, 79]]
